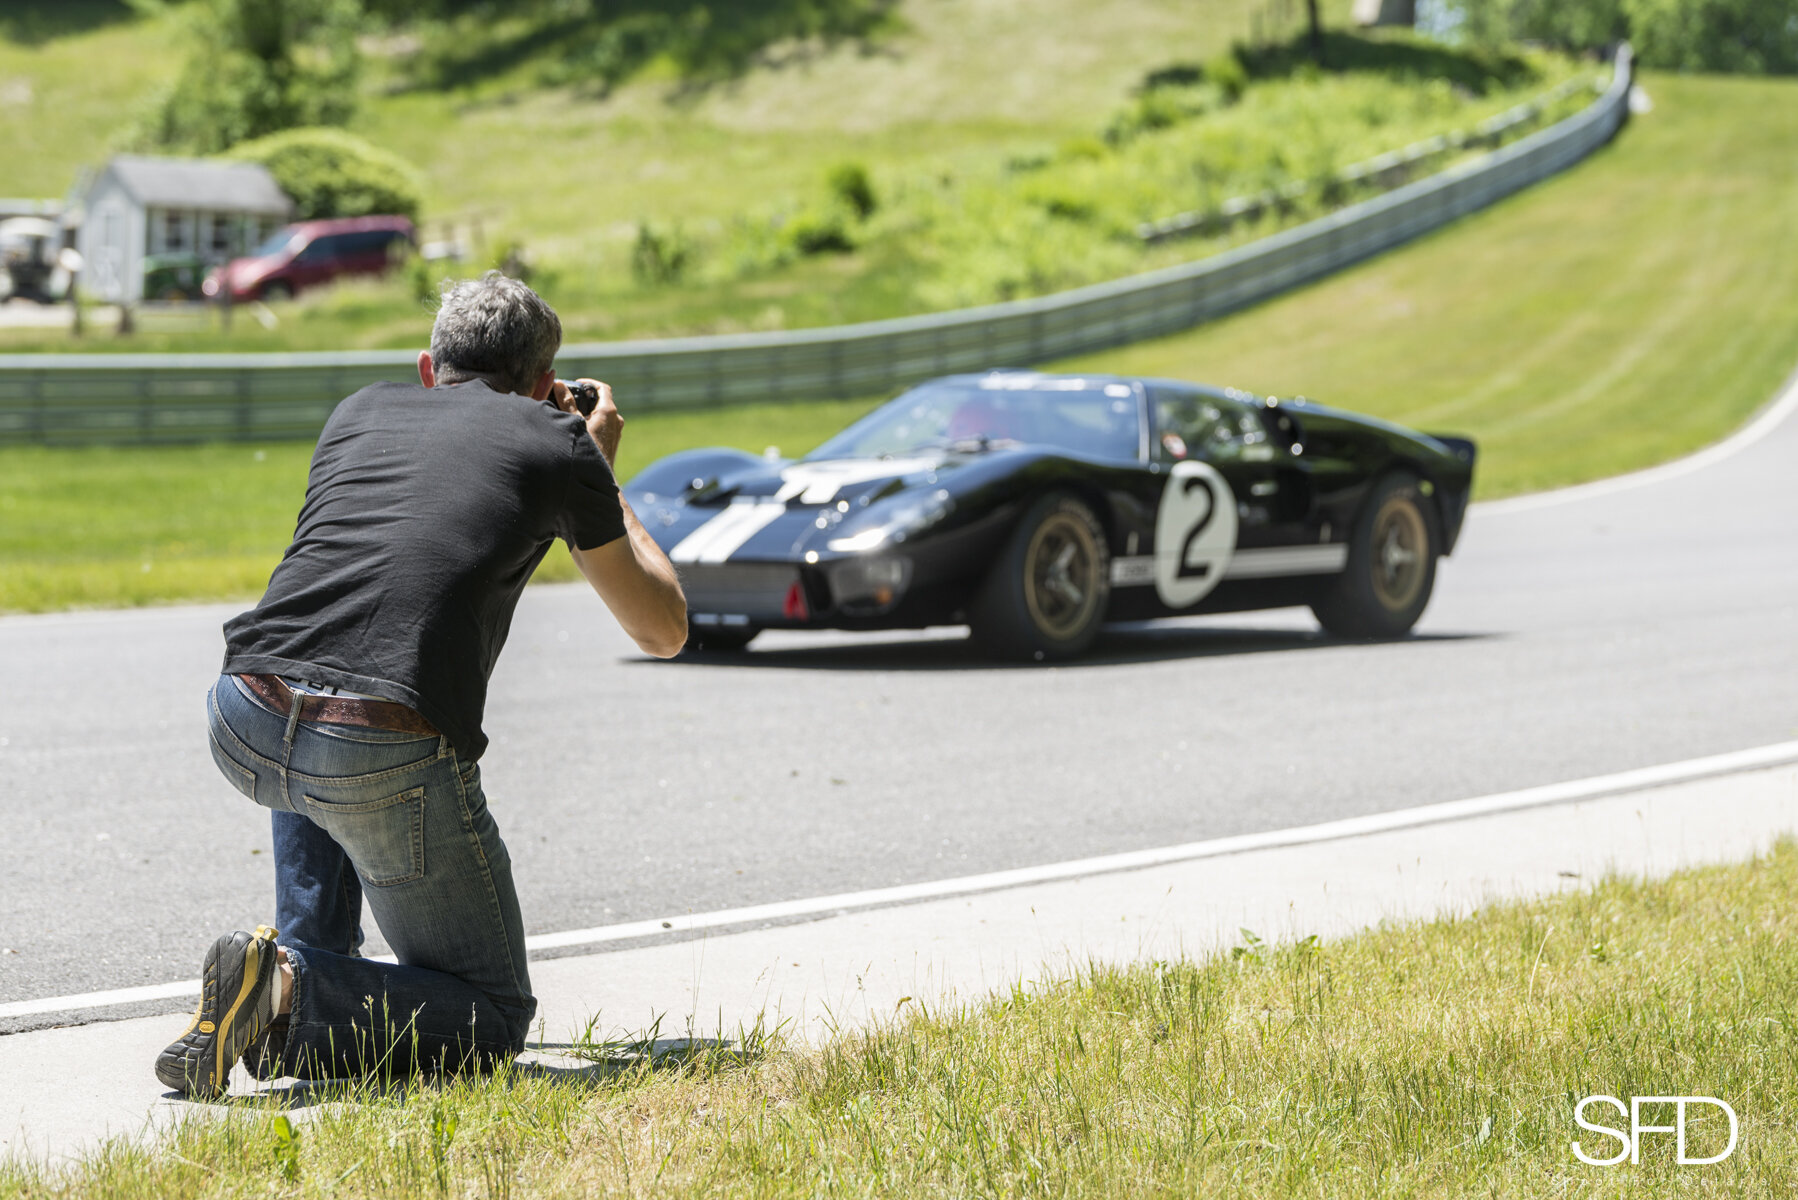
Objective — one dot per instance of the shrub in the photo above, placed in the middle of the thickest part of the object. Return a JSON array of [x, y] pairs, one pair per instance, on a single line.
[[330, 173], [422, 279], [1150, 111], [816, 231], [1059, 200], [849, 183], [1227, 74], [660, 255]]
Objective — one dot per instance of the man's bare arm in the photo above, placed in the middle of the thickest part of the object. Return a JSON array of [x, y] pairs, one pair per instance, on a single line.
[[631, 574]]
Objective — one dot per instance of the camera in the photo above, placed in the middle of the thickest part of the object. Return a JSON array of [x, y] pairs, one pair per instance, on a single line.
[[586, 396]]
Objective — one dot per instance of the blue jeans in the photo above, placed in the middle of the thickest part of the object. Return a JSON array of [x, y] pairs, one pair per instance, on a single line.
[[397, 819]]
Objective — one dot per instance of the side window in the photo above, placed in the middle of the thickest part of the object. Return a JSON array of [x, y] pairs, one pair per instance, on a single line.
[[1196, 425], [321, 249]]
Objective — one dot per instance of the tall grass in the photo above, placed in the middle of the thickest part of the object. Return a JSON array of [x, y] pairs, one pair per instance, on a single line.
[[1437, 1059]]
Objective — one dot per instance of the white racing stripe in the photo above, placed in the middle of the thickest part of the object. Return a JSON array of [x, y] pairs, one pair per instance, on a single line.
[[810, 483], [725, 534], [1273, 561], [1265, 563], [1759, 758]]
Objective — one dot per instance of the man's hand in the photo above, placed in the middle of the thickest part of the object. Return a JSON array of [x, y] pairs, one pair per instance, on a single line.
[[632, 575], [605, 424]]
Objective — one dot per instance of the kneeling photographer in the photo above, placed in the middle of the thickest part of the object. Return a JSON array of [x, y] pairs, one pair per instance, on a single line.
[[352, 696]]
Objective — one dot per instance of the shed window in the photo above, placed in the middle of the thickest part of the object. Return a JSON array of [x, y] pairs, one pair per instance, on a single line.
[[224, 228], [174, 231]]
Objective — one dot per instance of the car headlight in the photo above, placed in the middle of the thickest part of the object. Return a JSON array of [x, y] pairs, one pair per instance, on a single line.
[[869, 584], [897, 523]]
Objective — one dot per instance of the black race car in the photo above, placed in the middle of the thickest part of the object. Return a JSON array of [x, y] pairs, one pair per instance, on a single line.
[[1035, 507]]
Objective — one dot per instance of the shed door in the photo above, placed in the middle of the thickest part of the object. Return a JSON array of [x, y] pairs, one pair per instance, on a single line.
[[109, 264]]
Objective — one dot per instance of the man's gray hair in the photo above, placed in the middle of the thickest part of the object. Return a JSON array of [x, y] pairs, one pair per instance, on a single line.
[[497, 329]]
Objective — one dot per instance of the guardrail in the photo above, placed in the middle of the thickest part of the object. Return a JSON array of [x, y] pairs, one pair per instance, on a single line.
[[191, 397]]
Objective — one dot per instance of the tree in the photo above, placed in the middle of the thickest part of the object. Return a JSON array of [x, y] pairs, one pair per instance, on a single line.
[[1747, 36], [1317, 32], [260, 66]]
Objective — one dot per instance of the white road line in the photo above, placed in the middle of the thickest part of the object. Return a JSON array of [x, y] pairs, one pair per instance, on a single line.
[[1759, 758], [1762, 425]]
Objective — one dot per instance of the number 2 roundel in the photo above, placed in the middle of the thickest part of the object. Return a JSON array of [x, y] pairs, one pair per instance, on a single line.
[[1195, 534]]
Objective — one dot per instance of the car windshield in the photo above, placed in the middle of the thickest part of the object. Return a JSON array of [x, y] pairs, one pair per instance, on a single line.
[[1092, 419], [274, 243]]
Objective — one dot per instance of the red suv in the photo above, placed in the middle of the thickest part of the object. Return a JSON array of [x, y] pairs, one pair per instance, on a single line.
[[309, 253]]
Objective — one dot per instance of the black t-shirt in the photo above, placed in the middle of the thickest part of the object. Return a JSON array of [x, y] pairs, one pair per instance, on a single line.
[[426, 512]]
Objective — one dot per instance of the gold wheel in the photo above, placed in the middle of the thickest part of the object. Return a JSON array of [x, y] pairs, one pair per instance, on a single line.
[[1061, 585], [1400, 553]]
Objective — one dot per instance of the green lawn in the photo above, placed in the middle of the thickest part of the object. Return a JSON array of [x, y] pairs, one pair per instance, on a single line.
[[1417, 1060], [1633, 309], [118, 526]]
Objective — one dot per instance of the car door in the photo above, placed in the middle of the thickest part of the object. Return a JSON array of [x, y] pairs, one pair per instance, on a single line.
[[316, 262], [367, 252], [1236, 498]]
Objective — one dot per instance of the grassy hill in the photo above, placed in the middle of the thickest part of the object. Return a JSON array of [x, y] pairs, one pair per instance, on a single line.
[[981, 126], [73, 73], [1624, 313]]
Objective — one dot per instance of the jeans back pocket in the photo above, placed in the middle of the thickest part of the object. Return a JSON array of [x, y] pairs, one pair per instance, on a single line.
[[384, 838], [241, 777]]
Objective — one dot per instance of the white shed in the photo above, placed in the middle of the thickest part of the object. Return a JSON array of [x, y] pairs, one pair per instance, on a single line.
[[1385, 12], [138, 206]]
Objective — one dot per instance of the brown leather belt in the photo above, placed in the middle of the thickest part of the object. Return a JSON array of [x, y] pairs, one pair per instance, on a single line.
[[273, 691]]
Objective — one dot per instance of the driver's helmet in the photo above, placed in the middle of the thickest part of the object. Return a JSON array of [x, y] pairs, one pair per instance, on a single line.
[[984, 417]]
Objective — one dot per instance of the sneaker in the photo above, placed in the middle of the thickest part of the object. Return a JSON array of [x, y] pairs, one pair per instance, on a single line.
[[240, 991]]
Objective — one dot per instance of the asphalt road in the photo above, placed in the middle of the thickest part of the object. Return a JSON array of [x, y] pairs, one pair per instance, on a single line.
[[1600, 633]]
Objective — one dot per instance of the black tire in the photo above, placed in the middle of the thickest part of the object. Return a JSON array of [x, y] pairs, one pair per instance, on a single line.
[[1391, 564], [276, 291], [719, 639], [1046, 595]]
